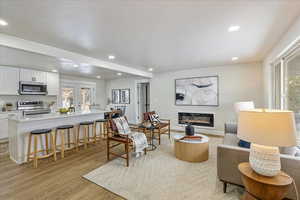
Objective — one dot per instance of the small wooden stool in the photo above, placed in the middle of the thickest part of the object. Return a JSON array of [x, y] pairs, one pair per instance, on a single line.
[[49, 151], [61, 130], [86, 134], [103, 128]]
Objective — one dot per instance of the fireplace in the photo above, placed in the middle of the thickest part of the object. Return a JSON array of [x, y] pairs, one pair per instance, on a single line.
[[197, 119]]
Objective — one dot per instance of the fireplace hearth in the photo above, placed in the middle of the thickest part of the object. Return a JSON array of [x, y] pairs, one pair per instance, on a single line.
[[197, 119]]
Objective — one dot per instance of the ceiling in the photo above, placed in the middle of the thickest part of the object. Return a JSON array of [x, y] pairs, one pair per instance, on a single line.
[[162, 34], [20, 58]]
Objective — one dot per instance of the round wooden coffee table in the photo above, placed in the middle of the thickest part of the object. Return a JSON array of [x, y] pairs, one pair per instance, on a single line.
[[191, 150]]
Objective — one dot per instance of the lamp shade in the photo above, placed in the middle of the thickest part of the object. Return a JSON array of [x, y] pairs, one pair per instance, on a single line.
[[243, 105], [267, 127]]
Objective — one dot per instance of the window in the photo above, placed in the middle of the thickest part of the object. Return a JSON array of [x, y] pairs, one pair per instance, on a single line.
[[81, 95], [85, 97], [67, 95], [286, 85]]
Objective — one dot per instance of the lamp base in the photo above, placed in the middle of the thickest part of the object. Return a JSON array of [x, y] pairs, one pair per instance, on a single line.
[[265, 160]]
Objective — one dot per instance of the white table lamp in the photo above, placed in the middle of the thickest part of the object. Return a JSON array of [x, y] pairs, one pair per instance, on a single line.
[[266, 130]]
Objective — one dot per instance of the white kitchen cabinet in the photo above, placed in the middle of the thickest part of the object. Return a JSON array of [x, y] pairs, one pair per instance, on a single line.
[[33, 75], [9, 80], [3, 126], [53, 83]]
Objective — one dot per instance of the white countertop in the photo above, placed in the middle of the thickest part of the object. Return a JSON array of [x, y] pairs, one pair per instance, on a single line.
[[19, 118]]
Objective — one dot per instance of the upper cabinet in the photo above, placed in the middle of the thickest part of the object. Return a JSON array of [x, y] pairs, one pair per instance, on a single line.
[[10, 78], [9, 81], [53, 83], [33, 75]]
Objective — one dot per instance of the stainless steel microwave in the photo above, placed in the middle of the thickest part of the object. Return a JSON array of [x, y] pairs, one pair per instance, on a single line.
[[31, 88]]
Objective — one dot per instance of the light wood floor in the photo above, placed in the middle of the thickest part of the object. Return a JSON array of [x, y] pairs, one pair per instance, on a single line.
[[55, 180]]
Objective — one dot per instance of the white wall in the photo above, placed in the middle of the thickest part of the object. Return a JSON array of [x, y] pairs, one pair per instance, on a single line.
[[291, 35], [125, 83], [241, 82]]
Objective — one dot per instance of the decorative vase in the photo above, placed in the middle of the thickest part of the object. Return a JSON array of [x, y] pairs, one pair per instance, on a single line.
[[189, 129], [265, 160]]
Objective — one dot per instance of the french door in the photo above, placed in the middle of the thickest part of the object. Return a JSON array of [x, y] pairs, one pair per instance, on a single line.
[[81, 95]]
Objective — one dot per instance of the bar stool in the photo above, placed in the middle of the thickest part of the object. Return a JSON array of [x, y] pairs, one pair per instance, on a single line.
[[103, 128], [61, 130], [86, 133], [49, 151]]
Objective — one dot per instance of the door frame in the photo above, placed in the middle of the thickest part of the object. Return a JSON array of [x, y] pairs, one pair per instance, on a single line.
[[136, 103]]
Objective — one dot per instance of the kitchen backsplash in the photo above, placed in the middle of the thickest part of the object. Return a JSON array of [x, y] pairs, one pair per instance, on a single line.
[[14, 99]]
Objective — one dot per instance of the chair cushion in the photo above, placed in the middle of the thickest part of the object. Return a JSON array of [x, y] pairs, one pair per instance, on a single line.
[[41, 131], [65, 127], [101, 120], [87, 123]]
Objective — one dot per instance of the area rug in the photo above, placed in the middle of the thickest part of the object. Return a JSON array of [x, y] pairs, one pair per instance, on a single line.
[[159, 175]]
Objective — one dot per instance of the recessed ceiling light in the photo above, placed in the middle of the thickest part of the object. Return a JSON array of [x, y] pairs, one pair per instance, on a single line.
[[150, 69], [119, 74], [233, 28], [98, 77], [234, 58], [66, 60], [3, 22], [111, 57], [75, 65], [85, 65], [54, 70]]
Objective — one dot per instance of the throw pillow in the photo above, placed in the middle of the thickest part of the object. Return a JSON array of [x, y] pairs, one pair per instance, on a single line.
[[122, 126], [244, 144], [154, 118]]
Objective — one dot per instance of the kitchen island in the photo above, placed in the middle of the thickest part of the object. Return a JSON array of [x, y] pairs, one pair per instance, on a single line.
[[19, 128]]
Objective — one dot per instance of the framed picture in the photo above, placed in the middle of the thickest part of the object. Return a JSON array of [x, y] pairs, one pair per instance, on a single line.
[[197, 91], [115, 96], [125, 96]]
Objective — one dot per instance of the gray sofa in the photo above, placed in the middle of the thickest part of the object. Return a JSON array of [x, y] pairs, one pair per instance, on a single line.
[[229, 155]]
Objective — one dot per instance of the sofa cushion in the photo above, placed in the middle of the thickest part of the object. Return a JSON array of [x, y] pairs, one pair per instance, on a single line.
[[297, 153], [231, 139], [288, 150]]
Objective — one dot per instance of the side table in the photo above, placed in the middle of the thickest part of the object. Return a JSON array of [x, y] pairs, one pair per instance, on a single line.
[[263, 187], [151, 144]]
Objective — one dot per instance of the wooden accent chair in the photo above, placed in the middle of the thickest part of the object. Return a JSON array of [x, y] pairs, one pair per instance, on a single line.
[[114, 139], [164, 127]]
